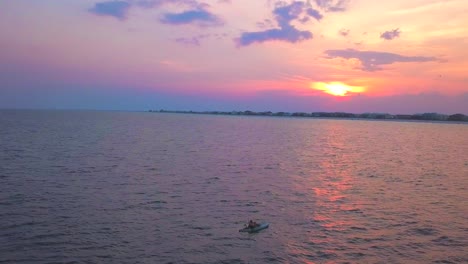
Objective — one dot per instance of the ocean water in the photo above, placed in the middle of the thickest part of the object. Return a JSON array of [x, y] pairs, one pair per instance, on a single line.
[[117, 187]]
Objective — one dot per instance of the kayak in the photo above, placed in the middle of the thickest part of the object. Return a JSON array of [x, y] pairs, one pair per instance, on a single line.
[[259, 227]]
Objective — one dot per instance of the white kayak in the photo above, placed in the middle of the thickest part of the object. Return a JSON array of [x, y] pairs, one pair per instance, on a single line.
[[257, 228]]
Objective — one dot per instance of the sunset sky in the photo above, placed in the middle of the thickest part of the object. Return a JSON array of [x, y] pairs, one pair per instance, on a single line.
[[400, 56]]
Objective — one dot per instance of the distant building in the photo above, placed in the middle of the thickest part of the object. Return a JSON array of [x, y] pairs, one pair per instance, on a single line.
[[377, 116], [403, 117], [434, 116], [457, 117]]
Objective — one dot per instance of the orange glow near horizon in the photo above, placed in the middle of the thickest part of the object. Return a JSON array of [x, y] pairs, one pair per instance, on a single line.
[[336, 88]]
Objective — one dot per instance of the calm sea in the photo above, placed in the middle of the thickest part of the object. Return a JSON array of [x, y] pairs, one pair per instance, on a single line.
[[118, 187]]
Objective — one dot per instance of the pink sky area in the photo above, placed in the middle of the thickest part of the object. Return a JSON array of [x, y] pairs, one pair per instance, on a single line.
[[401, 56]]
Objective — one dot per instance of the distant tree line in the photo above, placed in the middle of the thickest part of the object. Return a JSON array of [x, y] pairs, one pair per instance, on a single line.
[[423, 116]]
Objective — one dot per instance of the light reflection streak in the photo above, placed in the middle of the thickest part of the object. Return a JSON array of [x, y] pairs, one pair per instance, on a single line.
[[332, 212]]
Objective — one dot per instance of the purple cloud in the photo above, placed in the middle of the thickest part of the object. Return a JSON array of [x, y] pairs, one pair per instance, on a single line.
[[284, 15], [195, 40], [267, 23], [200, 17], [157, 3], [314, 13], [117, 9], [391, 34], [373, 60], [290, 34], [333, 5]]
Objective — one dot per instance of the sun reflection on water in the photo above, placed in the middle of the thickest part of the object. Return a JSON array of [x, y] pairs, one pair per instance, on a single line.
[[328, 187], [332, 185]]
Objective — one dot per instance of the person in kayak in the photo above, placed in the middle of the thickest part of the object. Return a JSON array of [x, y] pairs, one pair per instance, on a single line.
[[252, 224]]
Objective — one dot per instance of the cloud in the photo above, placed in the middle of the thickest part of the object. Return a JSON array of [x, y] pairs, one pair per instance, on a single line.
[[117, 9], [391, 34], [284, 15], [333, 5], [314, 13], [289, 34], [157, 3], [194, 41], [267, 23], [200, 17], [344, 32], [373, 60]]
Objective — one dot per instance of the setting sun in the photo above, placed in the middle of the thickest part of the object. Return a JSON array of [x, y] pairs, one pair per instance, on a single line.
[[337, 88]]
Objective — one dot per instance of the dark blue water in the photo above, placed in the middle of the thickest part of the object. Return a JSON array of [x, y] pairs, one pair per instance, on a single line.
[[116, 187]]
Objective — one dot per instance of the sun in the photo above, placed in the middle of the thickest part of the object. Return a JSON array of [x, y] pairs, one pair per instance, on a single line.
[[336, 88]]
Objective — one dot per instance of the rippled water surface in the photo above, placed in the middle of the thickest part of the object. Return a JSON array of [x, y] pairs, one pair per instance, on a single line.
[[115, 187]]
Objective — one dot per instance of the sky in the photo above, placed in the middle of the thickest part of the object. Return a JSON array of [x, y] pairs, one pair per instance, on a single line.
[[400, 56]]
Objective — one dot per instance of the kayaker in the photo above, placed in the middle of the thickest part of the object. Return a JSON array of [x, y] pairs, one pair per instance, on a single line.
[[252, 224]]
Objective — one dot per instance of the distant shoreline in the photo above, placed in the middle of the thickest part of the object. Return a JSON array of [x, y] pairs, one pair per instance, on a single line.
[[340, 115]]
